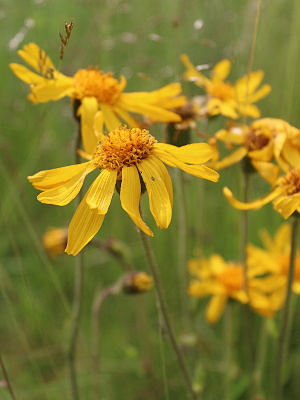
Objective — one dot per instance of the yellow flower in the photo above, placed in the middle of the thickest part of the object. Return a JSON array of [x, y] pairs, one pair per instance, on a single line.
[[224, 98], [275, 260], [263, 141], [285, 195], [129, 157], [54, 241], [101, 96], [136, 282], [223, 280]]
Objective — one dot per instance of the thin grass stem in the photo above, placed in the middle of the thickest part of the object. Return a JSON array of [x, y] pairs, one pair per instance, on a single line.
[[282, 344], [7, 380]]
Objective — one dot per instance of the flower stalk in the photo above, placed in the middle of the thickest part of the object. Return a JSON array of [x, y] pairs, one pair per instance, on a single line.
[[163, 308]]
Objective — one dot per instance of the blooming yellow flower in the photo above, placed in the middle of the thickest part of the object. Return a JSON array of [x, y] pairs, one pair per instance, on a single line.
[[102, 98], [275, 258], [285, 195], [54, 241], [128, 156], [224, 98], [263, 141], [223, 280]]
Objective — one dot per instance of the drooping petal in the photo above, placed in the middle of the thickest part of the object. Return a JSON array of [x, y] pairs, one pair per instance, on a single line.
[[111, 120], [83, 227], [126, 117], [52, 178], [130, 195], [215, 308], [26, 75], [87, 112], [159, 199], [66, 192], [253, 204], [233, 158], [286, 205], [101, 191], [196, 153]]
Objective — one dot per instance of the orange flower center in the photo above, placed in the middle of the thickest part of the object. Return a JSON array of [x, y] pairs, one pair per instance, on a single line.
[[93, 83], [232, 278], [221, 90], [291, 182], [285, 265], [123, 147], [257, 139]]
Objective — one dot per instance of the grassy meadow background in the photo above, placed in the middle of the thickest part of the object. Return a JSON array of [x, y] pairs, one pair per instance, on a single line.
[[143, 41]]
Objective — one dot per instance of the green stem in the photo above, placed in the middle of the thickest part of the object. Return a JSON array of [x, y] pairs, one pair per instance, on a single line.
[[166, 314], [7, 381], [260, 360], [286, 314], [77, 300], [228, 340]]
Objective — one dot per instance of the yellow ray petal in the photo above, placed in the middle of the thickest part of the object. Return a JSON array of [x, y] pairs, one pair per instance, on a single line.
[[130, 197], [26, 75], [36, 57], [233, 158], [253, 204], [99, 124], [205, 288], [236, 135], [260, 93], [87, 112], [247, 84], [192, 74], [156, 113], [161, 168], [83, 227], [216, 106], [66, 192], [101, 191], [159, 199], [52, 178], [270, 172], [126, 117], [250, 110], [221, 71], [51, 90], [286, 205], [111, 120], [197, 153], [215, 308]]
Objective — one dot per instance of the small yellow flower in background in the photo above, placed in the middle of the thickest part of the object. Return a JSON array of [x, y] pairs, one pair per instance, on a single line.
[[224, 280], [126, 156], [54, 241], [263, 141], [275, 258], [103, 102], [285, 195], [137, 282], [230, 100]]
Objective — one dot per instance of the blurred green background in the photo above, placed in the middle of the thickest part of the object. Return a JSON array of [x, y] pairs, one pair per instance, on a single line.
[[143, 41]]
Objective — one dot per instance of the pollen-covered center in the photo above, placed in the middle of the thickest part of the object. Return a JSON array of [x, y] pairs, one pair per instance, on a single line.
[[123, 147], [221, 90], [232, 278], [291, 182], [94, 83]]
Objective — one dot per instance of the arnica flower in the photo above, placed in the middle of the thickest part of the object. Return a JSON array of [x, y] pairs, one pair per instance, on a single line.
[[285, 195], [136, 282], [129, 157], [225, 280], [54, 241], [103, 102], [263, 141], [230, 100], [275, 259]]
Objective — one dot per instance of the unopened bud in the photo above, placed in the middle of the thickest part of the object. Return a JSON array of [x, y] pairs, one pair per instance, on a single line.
[[136, 282], [54, 241]]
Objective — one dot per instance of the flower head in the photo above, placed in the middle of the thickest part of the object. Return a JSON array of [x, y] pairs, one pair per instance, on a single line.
[[101, 96], [223, 280], [285, 195], [54, 241], [127, 156], [224, 98], [263, 141], [275, 259]]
